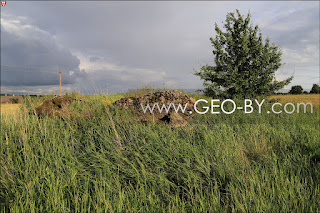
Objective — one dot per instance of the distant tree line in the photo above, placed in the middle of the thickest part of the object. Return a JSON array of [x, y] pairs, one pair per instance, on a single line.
[[297, 89]]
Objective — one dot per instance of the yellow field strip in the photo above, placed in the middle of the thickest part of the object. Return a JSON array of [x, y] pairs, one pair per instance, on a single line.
[[9, 108], [314, 99]]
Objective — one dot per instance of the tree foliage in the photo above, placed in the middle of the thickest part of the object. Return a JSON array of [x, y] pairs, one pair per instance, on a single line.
[[296, 89], [315, 89], [245, 65]]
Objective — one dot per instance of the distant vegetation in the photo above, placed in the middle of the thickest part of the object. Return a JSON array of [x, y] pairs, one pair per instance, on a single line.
[[296, 89], [299, 90], [315, 89], [14, 100]]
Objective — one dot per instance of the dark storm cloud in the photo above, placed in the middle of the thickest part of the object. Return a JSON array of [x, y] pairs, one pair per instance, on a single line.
[[31, 56]]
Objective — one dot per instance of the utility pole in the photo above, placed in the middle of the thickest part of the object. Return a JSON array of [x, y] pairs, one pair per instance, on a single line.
[[60, 83]]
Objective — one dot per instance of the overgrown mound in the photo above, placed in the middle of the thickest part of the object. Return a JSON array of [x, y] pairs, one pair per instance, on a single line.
[[57, 106], [174, 115]]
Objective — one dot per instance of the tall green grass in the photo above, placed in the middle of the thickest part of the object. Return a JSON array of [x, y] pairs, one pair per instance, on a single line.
[[219, 163]]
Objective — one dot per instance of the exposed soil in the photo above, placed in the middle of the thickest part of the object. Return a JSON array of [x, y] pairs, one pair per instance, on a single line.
[[57, 106], [173, 118]]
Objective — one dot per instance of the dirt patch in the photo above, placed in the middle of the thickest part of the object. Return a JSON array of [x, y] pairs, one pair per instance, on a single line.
[[11, 99], [165, 98], [57, 106]]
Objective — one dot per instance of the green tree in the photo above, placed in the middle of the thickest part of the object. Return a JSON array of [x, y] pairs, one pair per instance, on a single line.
[[245, 66], [14, 100], [315, 89], [296, 89]]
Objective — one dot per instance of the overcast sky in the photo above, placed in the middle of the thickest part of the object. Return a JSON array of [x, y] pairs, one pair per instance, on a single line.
[[114, 46]]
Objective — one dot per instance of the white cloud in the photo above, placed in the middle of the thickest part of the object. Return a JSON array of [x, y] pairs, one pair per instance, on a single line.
[[111, 70]]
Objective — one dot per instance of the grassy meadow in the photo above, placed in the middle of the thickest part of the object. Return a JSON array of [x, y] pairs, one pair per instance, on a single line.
[[219, 163]]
